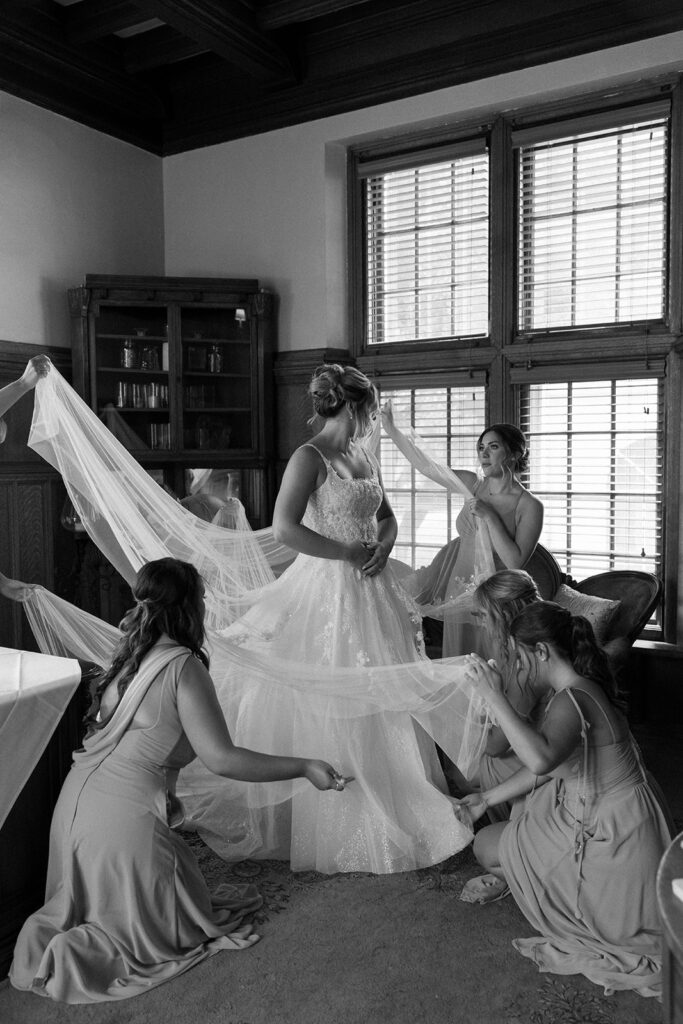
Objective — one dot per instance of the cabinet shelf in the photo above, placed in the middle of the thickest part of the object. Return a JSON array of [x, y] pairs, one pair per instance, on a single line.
[[217, 408], [215, 341], [221, 422], [207, 373]]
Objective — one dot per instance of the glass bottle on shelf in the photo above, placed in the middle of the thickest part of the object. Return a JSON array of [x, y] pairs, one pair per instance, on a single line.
[[215, 359], [129, 355]]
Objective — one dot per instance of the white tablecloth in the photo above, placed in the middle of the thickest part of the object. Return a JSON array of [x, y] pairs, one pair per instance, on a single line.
[[34, 691]]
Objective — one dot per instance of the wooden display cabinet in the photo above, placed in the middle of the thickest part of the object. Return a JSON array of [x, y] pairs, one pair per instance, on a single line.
[[180, 370]]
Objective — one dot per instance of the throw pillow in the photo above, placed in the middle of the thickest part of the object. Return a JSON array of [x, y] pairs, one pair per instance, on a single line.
[[598, 610]]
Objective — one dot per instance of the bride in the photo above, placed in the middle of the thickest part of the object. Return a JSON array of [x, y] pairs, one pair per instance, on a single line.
[[338, 605], [327, 660]]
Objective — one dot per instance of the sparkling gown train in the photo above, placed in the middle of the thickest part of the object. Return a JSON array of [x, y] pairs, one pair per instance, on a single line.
[[396, 815]]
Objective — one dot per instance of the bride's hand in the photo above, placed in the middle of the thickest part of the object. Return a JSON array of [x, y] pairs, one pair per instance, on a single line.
[[378, 557], [356, 554], [323, 776], [485, 674]]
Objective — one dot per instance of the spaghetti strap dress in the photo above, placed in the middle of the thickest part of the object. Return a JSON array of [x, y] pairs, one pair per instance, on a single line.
[[581, 860], [126, 907]]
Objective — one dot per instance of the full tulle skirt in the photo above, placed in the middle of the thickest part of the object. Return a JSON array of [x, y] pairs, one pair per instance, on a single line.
[[301, 687]]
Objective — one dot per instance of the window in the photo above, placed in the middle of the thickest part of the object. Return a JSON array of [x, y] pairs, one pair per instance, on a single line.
[[427, 250], [596, 464], [449, 420], [592, 228], [541, 254]]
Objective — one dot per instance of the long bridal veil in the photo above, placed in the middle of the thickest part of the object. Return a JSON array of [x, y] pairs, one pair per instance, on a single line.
[[133, 520]]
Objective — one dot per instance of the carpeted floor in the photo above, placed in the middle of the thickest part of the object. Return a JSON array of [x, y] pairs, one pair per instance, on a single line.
[[360, 949], [368, 949]]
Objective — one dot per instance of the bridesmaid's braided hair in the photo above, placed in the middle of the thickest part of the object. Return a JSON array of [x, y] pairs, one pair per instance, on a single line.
[[572, 635], [167, 596], [334, 387]]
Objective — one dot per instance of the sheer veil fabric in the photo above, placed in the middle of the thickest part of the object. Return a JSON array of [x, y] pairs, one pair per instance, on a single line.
[[282, 697]]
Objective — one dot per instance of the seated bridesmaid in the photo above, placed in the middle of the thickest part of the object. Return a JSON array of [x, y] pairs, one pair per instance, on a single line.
[[126, 906], [582, 856]]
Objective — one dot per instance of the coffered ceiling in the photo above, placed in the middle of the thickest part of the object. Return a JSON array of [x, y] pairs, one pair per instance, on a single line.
[[174, 75]]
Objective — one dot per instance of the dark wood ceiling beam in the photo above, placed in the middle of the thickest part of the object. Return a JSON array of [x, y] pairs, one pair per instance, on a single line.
[[493, 53], [156, 48], [231, 35], [279, 13], [37, 64], [96, 19]]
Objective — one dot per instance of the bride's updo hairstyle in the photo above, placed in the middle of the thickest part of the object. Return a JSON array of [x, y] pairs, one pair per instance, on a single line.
[[334, 388], [571, 635], [168, 601], [514, 442]]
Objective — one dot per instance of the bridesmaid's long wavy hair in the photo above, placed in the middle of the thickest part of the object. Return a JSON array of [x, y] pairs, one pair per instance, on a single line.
[[572, 635], [168, 596], [334, 387]]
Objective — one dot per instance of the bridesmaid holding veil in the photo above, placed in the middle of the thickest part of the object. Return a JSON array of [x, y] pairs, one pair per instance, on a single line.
[[496, 501]]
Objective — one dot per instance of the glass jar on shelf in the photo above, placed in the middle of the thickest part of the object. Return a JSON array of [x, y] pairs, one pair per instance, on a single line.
[[149, 359]]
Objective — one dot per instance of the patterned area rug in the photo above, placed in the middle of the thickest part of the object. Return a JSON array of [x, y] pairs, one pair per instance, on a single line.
[[548, 1000]]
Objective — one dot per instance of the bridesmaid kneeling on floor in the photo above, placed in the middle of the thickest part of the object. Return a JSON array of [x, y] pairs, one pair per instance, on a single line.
[[126, 905], [582, 856]]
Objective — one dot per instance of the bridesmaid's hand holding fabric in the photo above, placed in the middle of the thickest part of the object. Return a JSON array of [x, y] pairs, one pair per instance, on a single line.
[[485, 675], [323, 776], [15, 590], [476, 805], [387, 414], [37, 367]]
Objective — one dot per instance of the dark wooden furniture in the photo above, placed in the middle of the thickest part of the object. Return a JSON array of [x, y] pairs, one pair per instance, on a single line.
[[34, 547], [180, 369], [671, 916]]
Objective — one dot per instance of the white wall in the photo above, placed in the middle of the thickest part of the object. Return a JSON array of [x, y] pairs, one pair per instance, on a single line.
[[272, 206], [72, 202]]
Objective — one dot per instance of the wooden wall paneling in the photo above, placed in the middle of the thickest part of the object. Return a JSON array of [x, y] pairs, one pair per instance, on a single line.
[[293, 372]]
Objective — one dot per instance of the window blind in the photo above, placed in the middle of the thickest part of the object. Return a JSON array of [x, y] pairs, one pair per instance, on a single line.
[[427, 249], [596, 463], [593, 227], [449, 420]]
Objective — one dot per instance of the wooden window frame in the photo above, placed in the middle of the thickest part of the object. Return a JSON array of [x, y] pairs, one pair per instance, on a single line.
[[563, 350]]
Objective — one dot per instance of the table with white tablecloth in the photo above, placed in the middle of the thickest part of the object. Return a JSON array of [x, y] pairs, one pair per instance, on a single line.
[[34, 692]]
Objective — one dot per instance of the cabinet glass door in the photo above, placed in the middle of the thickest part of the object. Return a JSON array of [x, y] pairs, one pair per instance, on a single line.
[[216, 354], [129, 375]]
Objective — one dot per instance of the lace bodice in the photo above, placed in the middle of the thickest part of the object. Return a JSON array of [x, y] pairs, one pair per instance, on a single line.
[[344, 510]]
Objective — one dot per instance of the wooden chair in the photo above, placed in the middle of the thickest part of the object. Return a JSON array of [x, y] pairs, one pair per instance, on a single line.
[[638, 594], [545, 572]]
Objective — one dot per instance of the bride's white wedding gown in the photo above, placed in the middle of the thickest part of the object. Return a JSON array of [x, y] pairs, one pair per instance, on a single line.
[[318, 663], [396, 815]]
